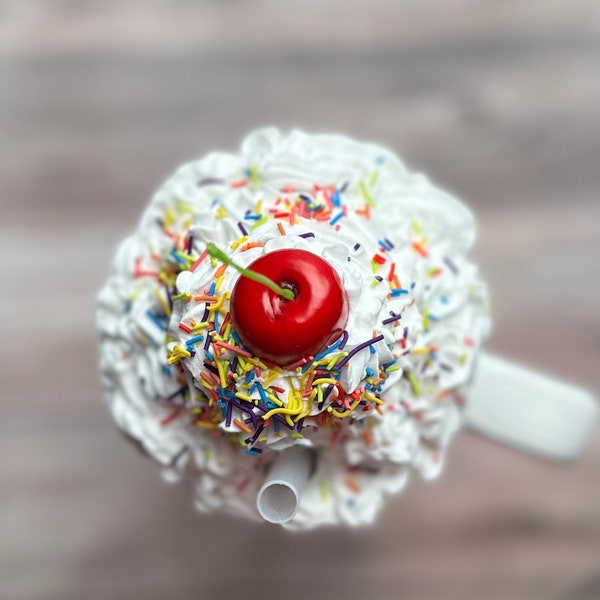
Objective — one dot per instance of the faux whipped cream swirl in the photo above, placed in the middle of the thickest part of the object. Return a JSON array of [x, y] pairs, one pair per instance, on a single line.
[[381, 402]]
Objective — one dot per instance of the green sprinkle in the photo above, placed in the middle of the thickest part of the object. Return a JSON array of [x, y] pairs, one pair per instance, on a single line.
[[365, 192], [414, 383]]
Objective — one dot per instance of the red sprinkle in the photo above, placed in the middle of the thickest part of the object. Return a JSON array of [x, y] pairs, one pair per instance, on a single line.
[[171, 417], [198, 261], [185, 328], [239, 184]]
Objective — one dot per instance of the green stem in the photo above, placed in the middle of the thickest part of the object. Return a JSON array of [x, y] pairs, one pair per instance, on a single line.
[[220, 255]]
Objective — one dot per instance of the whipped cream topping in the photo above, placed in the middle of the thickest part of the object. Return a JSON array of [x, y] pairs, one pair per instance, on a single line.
[[379, 403]]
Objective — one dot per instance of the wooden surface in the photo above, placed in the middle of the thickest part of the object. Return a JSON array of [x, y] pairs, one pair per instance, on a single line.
[[99, 101]]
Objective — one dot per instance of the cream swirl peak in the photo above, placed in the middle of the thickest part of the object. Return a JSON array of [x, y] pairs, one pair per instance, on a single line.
[[379, 401]]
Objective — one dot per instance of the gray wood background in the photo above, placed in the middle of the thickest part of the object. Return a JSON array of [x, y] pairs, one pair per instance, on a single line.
[[99, 101]]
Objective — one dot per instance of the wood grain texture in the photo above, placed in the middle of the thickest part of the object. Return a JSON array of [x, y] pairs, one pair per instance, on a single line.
[[99, 101]]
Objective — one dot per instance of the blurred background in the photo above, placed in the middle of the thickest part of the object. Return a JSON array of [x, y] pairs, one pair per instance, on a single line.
[[101, 100]]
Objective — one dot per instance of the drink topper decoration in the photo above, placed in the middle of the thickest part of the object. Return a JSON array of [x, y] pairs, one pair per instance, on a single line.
[[297, 329]]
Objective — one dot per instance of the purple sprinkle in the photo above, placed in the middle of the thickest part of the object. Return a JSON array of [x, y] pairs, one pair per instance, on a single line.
[[211, 368], [242, 228], [344, 340], [393, 318], [210, 181], [190, 243], [356, 246], [451, 265], [305, 198], [307, 235], [358, 348], [387, 241], [255, 436], [344, 186], [207, 342], [379, 278], [405, 334], [205, 315], [229, 414]]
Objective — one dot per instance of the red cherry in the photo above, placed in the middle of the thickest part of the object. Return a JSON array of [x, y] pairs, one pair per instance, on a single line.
[[285, 331]]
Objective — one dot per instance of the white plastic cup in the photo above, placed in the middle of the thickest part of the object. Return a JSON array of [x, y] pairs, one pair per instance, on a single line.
[[279, 497], [516, 406]]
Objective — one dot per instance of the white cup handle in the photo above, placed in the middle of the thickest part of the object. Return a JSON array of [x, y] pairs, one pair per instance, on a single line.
[[529, 411]]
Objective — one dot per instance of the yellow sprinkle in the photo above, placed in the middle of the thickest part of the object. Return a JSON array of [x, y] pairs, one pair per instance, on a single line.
[[279, 411], [343, 415], [374, 267], [207, 454], [254, 178], [239, 242], [199, 326], [177, 354], [221, 213], [165, 306], [375, 282], [323, 380], [263, 438], [297, 436], [207, 425], [334, 360], [221, 372], [219, 283], [216, 305], [169, 218], [243, 397], [420, 350], [372, 398], [416, 227]]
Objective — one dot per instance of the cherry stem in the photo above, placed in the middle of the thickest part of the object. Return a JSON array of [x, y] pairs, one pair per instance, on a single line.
[[217, 253]]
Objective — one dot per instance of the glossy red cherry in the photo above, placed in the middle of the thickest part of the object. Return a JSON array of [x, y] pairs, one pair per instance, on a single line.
[[285, 331]]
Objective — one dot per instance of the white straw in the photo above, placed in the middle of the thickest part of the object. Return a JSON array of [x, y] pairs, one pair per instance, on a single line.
[[278, 498]]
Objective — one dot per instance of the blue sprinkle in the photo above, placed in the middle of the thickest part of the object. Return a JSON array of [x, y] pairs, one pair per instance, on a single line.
[[211, 291], [157, 320], [209, 356], [193, 340], [253, 217], [253, 451], [433, 318], [177, 258], [380, 160], [214, 202], [444, 299], [166, 370], [335, 198], [398, 292], [336, 218]]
